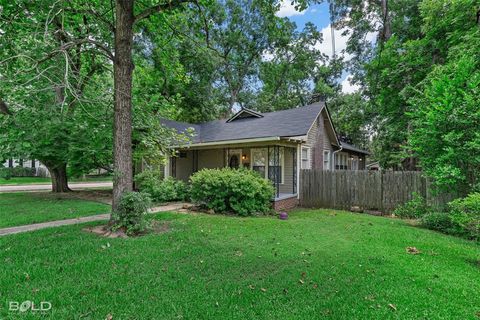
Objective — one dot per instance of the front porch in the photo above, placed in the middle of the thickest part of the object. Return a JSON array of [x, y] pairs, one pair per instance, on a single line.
[[276, 161]]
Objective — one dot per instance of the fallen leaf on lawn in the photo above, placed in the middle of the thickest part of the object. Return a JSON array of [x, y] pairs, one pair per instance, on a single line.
[[303, 274], [301, 281], [412, 250], [394, 307], [109, 317], [251, 286], [263, 289]]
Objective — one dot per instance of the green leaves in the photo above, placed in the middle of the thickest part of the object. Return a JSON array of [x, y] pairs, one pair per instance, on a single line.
[[243, 192], [447, 118]]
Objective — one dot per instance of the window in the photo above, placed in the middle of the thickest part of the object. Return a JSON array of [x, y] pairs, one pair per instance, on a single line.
[[326, 160], [259, 161], [341, 161], [263, 166], [354, 163], [275, 170], [305, 158]]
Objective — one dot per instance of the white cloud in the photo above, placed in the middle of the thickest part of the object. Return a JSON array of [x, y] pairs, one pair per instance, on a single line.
[[347, 87], [288, 10]]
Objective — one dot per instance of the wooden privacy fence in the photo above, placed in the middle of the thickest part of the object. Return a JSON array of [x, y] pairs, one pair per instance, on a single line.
[[369, 190]]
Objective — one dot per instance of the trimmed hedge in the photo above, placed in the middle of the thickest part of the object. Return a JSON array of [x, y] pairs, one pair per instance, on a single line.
[[239, 191]]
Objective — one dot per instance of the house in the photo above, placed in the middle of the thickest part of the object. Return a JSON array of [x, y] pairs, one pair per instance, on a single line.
[[38, 169], [275, 144], [350, 157]]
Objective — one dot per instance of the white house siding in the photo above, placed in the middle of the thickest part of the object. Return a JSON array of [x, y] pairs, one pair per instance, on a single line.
[[41, 170]]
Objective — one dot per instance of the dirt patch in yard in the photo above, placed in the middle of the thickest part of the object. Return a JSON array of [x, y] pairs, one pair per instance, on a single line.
[[104, 230]]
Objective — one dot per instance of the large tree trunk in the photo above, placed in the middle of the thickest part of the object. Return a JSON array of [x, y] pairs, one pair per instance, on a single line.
[[58, 173], [123, 69], [387, 22]]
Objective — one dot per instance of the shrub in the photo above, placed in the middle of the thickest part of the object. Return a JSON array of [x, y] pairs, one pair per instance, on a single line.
[[8, 173], [440, 221], [161, 190], [131, 212], [414, 209], [241, 191], [5, 173], [466, 214]]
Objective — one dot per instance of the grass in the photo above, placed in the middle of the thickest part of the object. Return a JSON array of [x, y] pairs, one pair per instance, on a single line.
[[40, 180], [25, 208], [317, 264]]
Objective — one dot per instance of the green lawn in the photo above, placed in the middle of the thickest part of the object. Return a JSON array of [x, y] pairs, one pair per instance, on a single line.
[[318, 264], [39, 180], [24, 208]]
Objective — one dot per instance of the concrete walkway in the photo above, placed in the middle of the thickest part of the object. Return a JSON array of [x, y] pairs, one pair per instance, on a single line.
[[48, 187], [66, 222]]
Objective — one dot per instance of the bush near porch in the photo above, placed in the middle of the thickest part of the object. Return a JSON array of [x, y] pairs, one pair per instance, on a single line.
[[240, 191], [161, 190]]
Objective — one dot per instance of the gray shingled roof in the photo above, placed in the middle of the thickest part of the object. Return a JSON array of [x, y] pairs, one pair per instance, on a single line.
[[350, 147], [285, 123]]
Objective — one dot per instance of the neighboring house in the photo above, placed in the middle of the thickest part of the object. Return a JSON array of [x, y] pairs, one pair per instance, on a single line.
[[350, 157], [40, 169], [275, 144]]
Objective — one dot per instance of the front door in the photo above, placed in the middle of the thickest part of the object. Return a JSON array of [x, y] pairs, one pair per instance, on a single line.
[[234, 158]]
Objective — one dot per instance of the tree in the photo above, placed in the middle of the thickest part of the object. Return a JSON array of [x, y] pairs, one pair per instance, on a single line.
[[79, 30], [51, 79], [446, 118], [287, 75], [351, 118]]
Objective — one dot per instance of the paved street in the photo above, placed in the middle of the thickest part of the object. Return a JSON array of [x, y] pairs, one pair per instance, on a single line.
[[46, 187]]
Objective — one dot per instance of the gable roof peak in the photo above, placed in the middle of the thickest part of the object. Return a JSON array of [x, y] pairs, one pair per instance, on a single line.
[[245, 113]]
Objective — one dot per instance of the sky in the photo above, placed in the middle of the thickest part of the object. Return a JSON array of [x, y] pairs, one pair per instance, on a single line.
[[320, 16]]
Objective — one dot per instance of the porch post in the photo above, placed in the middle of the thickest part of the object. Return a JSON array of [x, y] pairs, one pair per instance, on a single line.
[[299, 167], [174, 166], [166, 169], [277, 167], [294, 173]]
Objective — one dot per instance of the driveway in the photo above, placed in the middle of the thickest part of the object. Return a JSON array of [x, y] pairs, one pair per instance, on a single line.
[[48, 187]]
